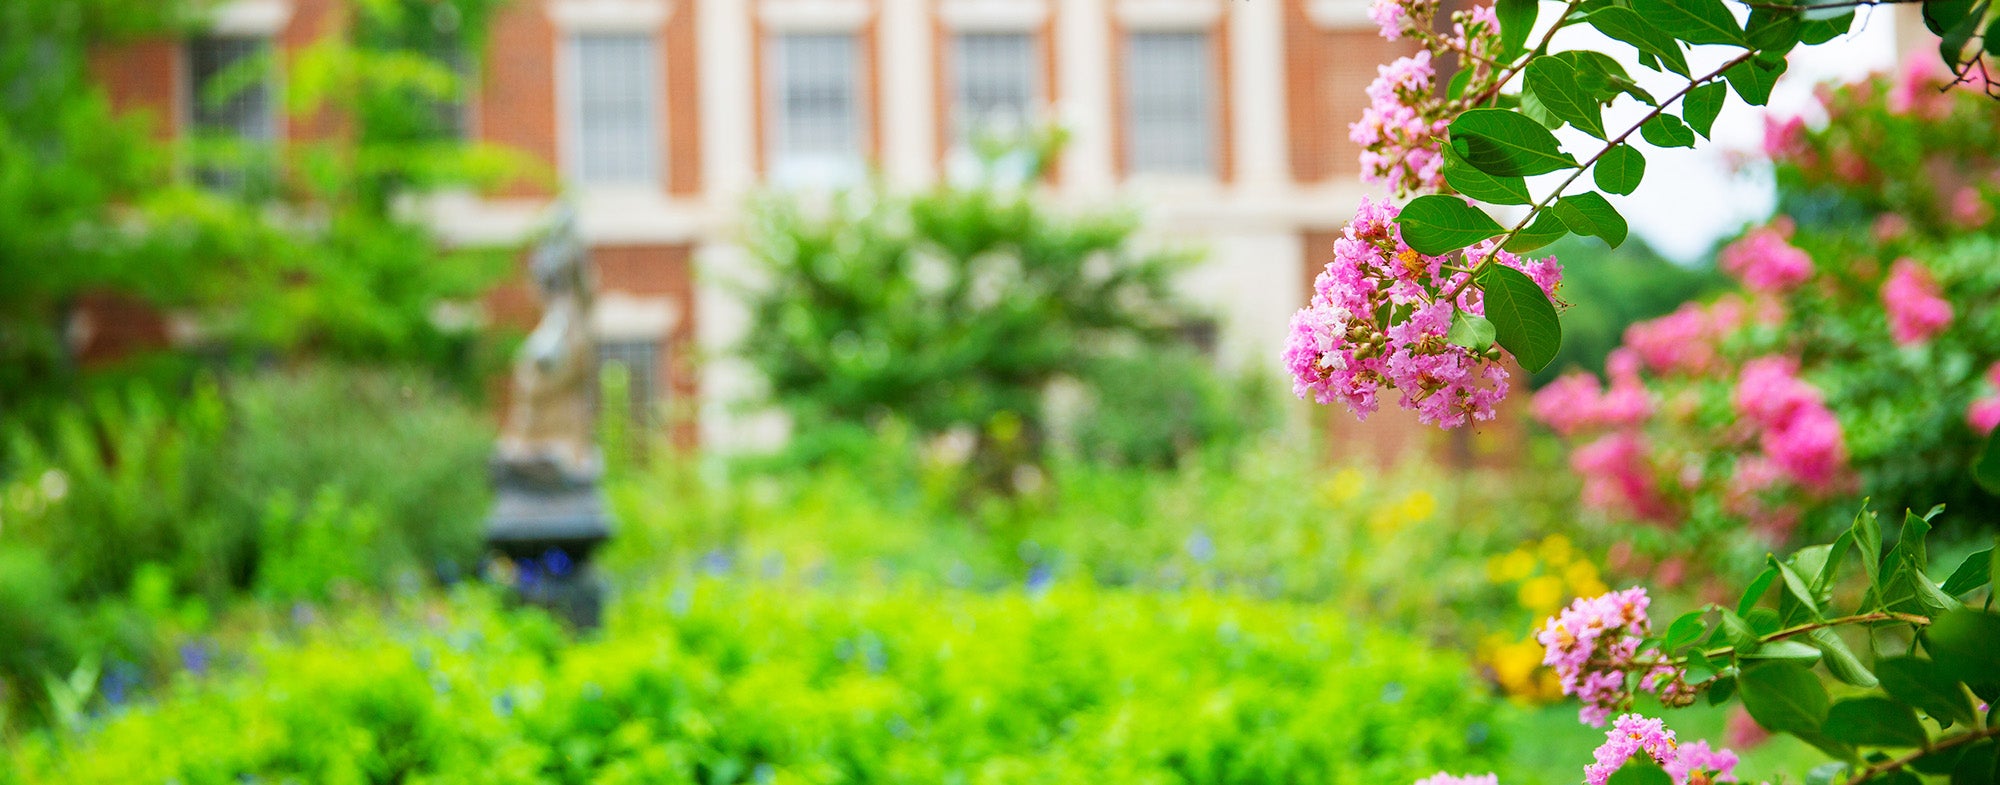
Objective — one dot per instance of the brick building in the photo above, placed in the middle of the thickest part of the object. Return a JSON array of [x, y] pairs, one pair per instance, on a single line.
[[1223, 120]]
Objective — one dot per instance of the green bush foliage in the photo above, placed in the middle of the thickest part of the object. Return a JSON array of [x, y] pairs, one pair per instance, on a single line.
[[722, 682], [952, 308]]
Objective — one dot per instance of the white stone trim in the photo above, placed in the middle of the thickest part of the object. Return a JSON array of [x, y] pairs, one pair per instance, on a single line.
[[1083, 49], [805, 16], [729, 99], [609, 16], [619, 316], [993, 15], [1168, 14], [1339, 13], [250, 18], [1258, 119], [908, 94]]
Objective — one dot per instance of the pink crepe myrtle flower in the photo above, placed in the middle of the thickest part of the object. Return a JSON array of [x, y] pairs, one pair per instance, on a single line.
[[1693, 763], [1984, 413], [1765, 261], [1618, 475], [1399, 131], [1684, 341], [1917, 309], [1969, 209], [1784, 138], [1594, 643], [1341, 350], [1443, 778], [1890, 227], [1918, 89], [1799, 435]]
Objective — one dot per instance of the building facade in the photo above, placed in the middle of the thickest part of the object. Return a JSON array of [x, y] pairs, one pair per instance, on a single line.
[[1223, 121]]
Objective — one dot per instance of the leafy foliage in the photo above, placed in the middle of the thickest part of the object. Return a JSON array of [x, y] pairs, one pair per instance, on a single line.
[[954, 308]]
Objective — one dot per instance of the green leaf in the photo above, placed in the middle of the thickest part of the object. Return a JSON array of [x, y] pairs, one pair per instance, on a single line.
[[1523, 319], [1827, 774], [1753, 78], [1589, 213], [1533, 108], [1943, 15], [1517, 20], [1624, 25], [1986, 470], [1699, 666], [1918, 682], [1507, 144], [1619, 170], [1467, 179], [1684, 631], [1974, 572], [1764, 620], [1666, 130], [1554, 84], [1721, 690], [1830, 566], [1693, 21], [1840, 660], [1797, 588], [1980, 765], [1470, 331], [1755, 591], [1784, 696], [1965, 645], [1992, 37], [1702, 105], [1546, 229], [1820, 30], [1736, 631], [1791, 651], [1440, 223], [1952, 45], [1874, 721], [1868, 540], [1772, 30], [1639, 770]]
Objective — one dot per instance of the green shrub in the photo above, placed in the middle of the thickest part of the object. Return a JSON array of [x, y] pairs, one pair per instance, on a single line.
[[725, 682], [1155, 408], [389, 452]]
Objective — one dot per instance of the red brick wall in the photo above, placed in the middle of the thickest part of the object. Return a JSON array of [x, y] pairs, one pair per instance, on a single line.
[[517, 106], [683, 102], [141, 77], [1326, 77], [661, 271]]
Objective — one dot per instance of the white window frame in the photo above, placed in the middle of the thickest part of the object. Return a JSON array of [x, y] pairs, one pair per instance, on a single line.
[[782, 169], [570, 103], [994, 16], [1212, 119]]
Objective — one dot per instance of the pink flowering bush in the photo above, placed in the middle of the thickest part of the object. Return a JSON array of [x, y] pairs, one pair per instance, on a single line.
[[1344, 348], [1849, 363]]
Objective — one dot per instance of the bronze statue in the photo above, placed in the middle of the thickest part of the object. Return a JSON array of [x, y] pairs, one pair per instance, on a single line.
[[548, 430]]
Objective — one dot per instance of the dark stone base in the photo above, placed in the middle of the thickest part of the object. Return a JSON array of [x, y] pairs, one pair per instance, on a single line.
[[577, 598], [547, 530]]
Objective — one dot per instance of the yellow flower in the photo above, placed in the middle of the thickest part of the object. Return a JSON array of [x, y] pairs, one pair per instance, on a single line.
[[1542, 594], [1583, 579], [1555, 549], [1343, 487], [1516, 565], [1418, 506]]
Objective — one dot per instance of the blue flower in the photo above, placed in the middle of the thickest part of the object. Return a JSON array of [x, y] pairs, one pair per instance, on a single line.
[[1199, 547], [556, 562], [1039, 579], [195, 657]]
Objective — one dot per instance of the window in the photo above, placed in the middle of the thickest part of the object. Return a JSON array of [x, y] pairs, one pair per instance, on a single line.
[[615, 134], [229, 106], [994, 83], [817, 128], [641, 361], [1168, 96]]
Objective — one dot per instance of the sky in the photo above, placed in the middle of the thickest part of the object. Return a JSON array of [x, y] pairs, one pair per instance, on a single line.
[[1692, 198]]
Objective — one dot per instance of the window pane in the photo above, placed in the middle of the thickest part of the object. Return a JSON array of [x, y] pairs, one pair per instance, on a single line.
[[641, 362], [617, 139], [818, 123], [995, 83], [225, 100], [1168, 86]]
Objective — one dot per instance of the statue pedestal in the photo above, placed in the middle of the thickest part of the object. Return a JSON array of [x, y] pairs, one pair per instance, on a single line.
[[548, 528]]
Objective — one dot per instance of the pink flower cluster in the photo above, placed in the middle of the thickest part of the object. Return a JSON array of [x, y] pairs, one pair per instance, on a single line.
[[1594, 644], [1765, 261], [1342, 348], [1691, 764], [1797, 434], [1401, 129], [1685, 341], [1442, 778], [1984, 413], [1916, 306]]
